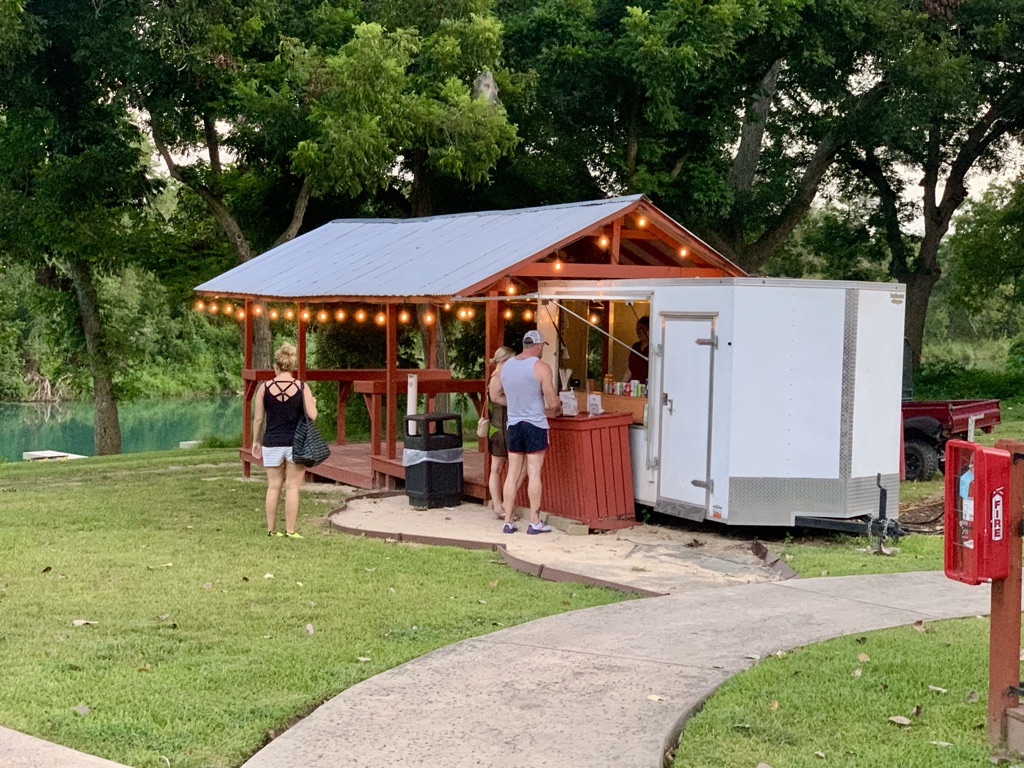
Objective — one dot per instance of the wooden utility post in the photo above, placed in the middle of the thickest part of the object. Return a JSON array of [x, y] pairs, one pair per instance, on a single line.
[[1004, 626]]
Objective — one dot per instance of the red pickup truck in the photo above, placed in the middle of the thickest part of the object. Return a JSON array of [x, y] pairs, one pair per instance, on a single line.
[[927, 425]]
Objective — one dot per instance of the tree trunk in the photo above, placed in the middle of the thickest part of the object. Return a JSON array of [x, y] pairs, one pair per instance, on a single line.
[[919, 293], [106, 424]]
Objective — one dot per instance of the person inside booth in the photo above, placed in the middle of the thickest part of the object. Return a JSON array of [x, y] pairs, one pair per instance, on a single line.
[[637, 366]]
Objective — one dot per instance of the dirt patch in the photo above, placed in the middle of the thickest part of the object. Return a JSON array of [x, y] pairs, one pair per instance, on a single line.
[[924, 516]]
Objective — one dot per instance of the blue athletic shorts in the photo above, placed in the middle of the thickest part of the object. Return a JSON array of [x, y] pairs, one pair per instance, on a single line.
[[526, 438]]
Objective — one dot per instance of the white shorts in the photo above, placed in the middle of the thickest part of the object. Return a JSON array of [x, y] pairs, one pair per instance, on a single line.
[[275, 456]]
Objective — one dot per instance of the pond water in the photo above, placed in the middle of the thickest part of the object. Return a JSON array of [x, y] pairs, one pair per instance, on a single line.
[[146, 425]]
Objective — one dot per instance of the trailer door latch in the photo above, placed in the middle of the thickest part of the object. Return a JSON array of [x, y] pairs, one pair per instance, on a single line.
[[709, 485], [712, 342]]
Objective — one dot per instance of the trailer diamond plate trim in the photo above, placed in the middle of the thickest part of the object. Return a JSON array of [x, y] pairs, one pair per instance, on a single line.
[[777, 500], [849, 385]]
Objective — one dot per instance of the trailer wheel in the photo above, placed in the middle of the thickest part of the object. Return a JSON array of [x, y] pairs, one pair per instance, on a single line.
[[920, 459]]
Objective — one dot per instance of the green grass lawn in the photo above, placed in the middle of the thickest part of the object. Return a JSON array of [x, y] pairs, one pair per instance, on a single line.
[[208, 634]]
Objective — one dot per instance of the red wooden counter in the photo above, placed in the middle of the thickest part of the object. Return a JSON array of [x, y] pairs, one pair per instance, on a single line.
[[587, 474]]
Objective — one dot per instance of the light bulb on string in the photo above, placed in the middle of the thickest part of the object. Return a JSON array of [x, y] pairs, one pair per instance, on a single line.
[[213, 308], [603, 241], [462, 313], [228, 309], [558, 265], [305, 315], [511, 290], [289, 314], [361, 315], [403, 316], [682, 252], [274, 314], [508, 314], [527, 315], [339, 315], [381, 318], [322, 316], [641, 222], [447, 307], [257, 309], [470, 312], [200, 306], [240, 314], [428, 318]]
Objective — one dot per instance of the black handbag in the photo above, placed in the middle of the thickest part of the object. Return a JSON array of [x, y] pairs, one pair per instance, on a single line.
[[309, 447]]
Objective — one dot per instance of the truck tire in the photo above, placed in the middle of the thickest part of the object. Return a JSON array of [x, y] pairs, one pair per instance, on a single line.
[[920, 460]]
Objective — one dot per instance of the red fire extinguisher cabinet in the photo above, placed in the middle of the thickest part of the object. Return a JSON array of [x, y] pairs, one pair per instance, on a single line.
[[977, 489]]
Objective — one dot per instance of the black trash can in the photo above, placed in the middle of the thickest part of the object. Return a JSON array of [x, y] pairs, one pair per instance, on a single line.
[[433, 460]]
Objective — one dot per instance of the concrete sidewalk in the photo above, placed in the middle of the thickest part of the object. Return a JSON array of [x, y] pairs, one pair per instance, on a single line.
[[573, 690]]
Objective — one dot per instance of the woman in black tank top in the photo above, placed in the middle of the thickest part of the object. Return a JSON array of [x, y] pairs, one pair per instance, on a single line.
[[280, 404]]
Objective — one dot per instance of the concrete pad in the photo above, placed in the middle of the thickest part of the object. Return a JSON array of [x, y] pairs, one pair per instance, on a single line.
[[19, 750], [651, 559]]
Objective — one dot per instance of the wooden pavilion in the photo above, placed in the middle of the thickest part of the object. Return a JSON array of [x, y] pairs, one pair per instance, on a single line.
[[395, 265]]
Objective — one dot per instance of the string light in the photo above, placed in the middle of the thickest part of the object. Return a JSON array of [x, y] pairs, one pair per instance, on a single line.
[[200, 306], [447, 307], [305, 315], [508, 314], [527, 315], [558, 265], [213, 308], [682, 252], [403, 316], [274, 314], [381, 318], [289, 314], [603, 241], [463, 313], [594, 319], [470, 312], [641, 222], [322, 316], [240, 314], [511, 290], [428, 318], [257, 309], [228, 309], [339, 315], [361, 315]]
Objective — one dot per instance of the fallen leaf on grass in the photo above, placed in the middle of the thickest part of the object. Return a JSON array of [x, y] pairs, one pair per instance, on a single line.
[[900, 720], [824, 573], [144, 668], [774, 706], [763, 765], [753, 656], [655, 697], [971, 697], [47, 569], [919, 626], [863, 657], [369, 570], [245, 578], [164, 616], [856, 672], [916, 711], [941, 743], [83, 622], [937, 689], [820, 754], [494, 583], [208, 585], [268, 575], [861, 640], [81, 709], [362, 658], [309, 629]]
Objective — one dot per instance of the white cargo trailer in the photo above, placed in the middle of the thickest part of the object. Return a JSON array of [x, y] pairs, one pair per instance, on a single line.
[[770, 401]]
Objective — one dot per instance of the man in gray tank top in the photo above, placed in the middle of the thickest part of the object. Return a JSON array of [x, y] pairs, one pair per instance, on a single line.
[[526, 388]]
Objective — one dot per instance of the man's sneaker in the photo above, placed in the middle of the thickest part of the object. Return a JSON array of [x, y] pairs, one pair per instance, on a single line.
[[538, 528], [274, 534], [509, 528], [295, 535]]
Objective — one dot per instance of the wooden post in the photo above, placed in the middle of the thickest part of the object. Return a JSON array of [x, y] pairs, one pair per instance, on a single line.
[[247, 330], [343, 390], [616, 240], [390, 420], [301, 333], [1004, 624]]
